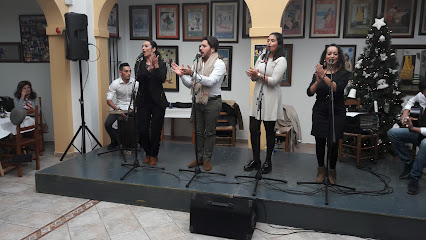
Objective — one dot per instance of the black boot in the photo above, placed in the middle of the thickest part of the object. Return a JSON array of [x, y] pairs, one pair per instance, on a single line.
[[267, 167], [252, 165]]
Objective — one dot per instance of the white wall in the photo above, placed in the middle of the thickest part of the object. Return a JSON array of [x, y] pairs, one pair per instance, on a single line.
[[12, 73]]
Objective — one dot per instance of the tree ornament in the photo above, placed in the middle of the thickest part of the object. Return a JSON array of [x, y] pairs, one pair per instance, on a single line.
[[382, 38], [383, 57], [381, 84], [386, 107], [379, 23]]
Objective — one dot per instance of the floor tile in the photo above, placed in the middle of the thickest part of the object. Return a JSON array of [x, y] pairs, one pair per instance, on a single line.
[[63, 206], [164, 232], [12, 187], [61, 233], [88, 217], [12, 231], [109, 214], [152, 218], [89, 231], [14, 215], [121, 225], [178, 216], [38, 219], [133, 235], [103, 205]]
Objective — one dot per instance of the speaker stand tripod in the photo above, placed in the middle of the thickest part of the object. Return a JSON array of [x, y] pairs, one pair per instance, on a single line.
[[83, 128]]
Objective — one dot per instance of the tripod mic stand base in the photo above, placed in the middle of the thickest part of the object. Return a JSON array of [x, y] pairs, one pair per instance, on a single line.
[[197, 171], [259, 177], [137, 165], [326, 183]]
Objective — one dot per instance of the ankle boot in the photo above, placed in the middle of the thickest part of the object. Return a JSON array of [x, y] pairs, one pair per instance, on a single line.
[[267, 167], [332, 176], [252, 165], [321, 174], [147, 159]]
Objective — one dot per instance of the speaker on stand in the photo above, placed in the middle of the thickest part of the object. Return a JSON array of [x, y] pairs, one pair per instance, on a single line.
[[77, 44]]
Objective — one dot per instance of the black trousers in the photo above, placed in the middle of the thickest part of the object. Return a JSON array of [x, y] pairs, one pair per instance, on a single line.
[[320, 144], [255, 138], [108, 127], [150, 115]]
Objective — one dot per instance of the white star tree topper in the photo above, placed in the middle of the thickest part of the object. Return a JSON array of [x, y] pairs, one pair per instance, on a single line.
[[378, 23]]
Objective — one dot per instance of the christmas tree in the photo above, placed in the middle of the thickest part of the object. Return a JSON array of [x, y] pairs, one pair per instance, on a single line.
[[376, 80]]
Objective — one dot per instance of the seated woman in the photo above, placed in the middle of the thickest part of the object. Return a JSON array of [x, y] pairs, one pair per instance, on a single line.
[[25, 96]]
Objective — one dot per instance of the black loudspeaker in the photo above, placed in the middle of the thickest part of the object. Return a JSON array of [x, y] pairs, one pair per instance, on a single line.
[[127, 133], [76, 36], [222, 216]]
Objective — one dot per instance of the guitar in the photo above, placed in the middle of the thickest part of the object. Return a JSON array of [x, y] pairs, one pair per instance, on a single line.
[[416, 113]]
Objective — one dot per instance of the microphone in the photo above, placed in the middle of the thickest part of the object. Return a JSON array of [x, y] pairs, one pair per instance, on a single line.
[[331, 61], [140, 57], [267, 55], [197, 56]]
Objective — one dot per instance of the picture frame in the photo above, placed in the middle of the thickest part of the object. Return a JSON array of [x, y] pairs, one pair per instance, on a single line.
[[140, 19], [325, 19], [411, 69], [170, 54], [225, 53], [224, 20], [349, 52], [10, 52], [293, 19], [422, 24], [359, 16], [400, 17], [34, 41], [288, 54], [246, 21], [112, 24], [195, 23], [167, 21]]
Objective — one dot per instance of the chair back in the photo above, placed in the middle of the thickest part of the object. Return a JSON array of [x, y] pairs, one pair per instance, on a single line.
[[33, 127], [353, 102]]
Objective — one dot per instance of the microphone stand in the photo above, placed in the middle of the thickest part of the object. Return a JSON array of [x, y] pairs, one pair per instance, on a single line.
[[136, 163], [330, 143], [258, 175], [197, 169]]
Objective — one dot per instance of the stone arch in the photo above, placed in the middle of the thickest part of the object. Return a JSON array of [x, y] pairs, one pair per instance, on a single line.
[[265, 19]]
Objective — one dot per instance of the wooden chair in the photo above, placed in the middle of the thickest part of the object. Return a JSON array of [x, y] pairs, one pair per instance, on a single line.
[[20, 141], [225, 133], [286, 134], [357, 145]]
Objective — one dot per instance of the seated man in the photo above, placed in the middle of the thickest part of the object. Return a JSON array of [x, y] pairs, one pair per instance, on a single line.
[[416, 135], [121, 88]]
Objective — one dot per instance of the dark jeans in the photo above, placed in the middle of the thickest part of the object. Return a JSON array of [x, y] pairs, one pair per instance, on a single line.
[[320, 144], [150, 115], [255, 138], [206, 119], [108, 127]]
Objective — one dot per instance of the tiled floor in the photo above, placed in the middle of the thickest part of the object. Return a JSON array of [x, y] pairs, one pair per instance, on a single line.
[[23, 211]]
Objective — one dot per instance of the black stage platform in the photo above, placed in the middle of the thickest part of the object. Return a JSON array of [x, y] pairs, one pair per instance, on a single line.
[[392, 216]]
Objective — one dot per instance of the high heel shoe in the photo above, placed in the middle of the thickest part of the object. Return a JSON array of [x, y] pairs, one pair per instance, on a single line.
[[266, 167], [252, 165]]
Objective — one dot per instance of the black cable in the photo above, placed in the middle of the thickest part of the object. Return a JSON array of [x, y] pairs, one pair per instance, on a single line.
[[99, 52]]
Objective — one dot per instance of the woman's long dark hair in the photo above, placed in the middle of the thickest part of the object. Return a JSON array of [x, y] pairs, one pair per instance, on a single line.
[[340, 61], [154, 45], [22, 84], [280, 49]]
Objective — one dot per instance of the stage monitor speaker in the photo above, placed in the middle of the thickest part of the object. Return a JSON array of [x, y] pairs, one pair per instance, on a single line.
[[222, 216], [76, 40]]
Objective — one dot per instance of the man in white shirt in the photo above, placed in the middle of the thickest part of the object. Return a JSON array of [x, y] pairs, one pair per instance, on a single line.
[[413, 169], [121, 88], [206, 75]]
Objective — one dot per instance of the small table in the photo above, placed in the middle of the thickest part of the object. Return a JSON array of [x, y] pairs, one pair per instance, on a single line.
[[173, 113], [7, 127]]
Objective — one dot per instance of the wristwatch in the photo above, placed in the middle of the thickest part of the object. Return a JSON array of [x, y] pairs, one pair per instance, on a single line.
[[258, 74]]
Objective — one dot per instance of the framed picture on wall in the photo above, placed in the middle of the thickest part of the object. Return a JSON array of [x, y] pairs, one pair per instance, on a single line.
[[293, 19], [246, 21], [400, 17], [258, 50], [225, 21], [195, 22], [325, 19], [288, 54], [10, 52], [170, 54], [225, 53], [113, 22], [359, 16], [167, 21], [422, 25], [140, 22], [411, 66], [34, 41]]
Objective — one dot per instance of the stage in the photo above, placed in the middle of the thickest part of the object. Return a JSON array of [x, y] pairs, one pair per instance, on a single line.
[[396, 215]]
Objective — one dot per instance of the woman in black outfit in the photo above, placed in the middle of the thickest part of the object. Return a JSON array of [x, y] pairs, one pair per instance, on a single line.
[[321, 112], [151, 101]]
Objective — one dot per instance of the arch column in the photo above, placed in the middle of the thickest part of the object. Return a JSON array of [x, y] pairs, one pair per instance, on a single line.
[[101, 11], [266, 18], [54, 11]]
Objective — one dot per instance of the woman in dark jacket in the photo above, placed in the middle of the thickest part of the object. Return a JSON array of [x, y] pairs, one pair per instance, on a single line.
[[329, 72], [151, 102]]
